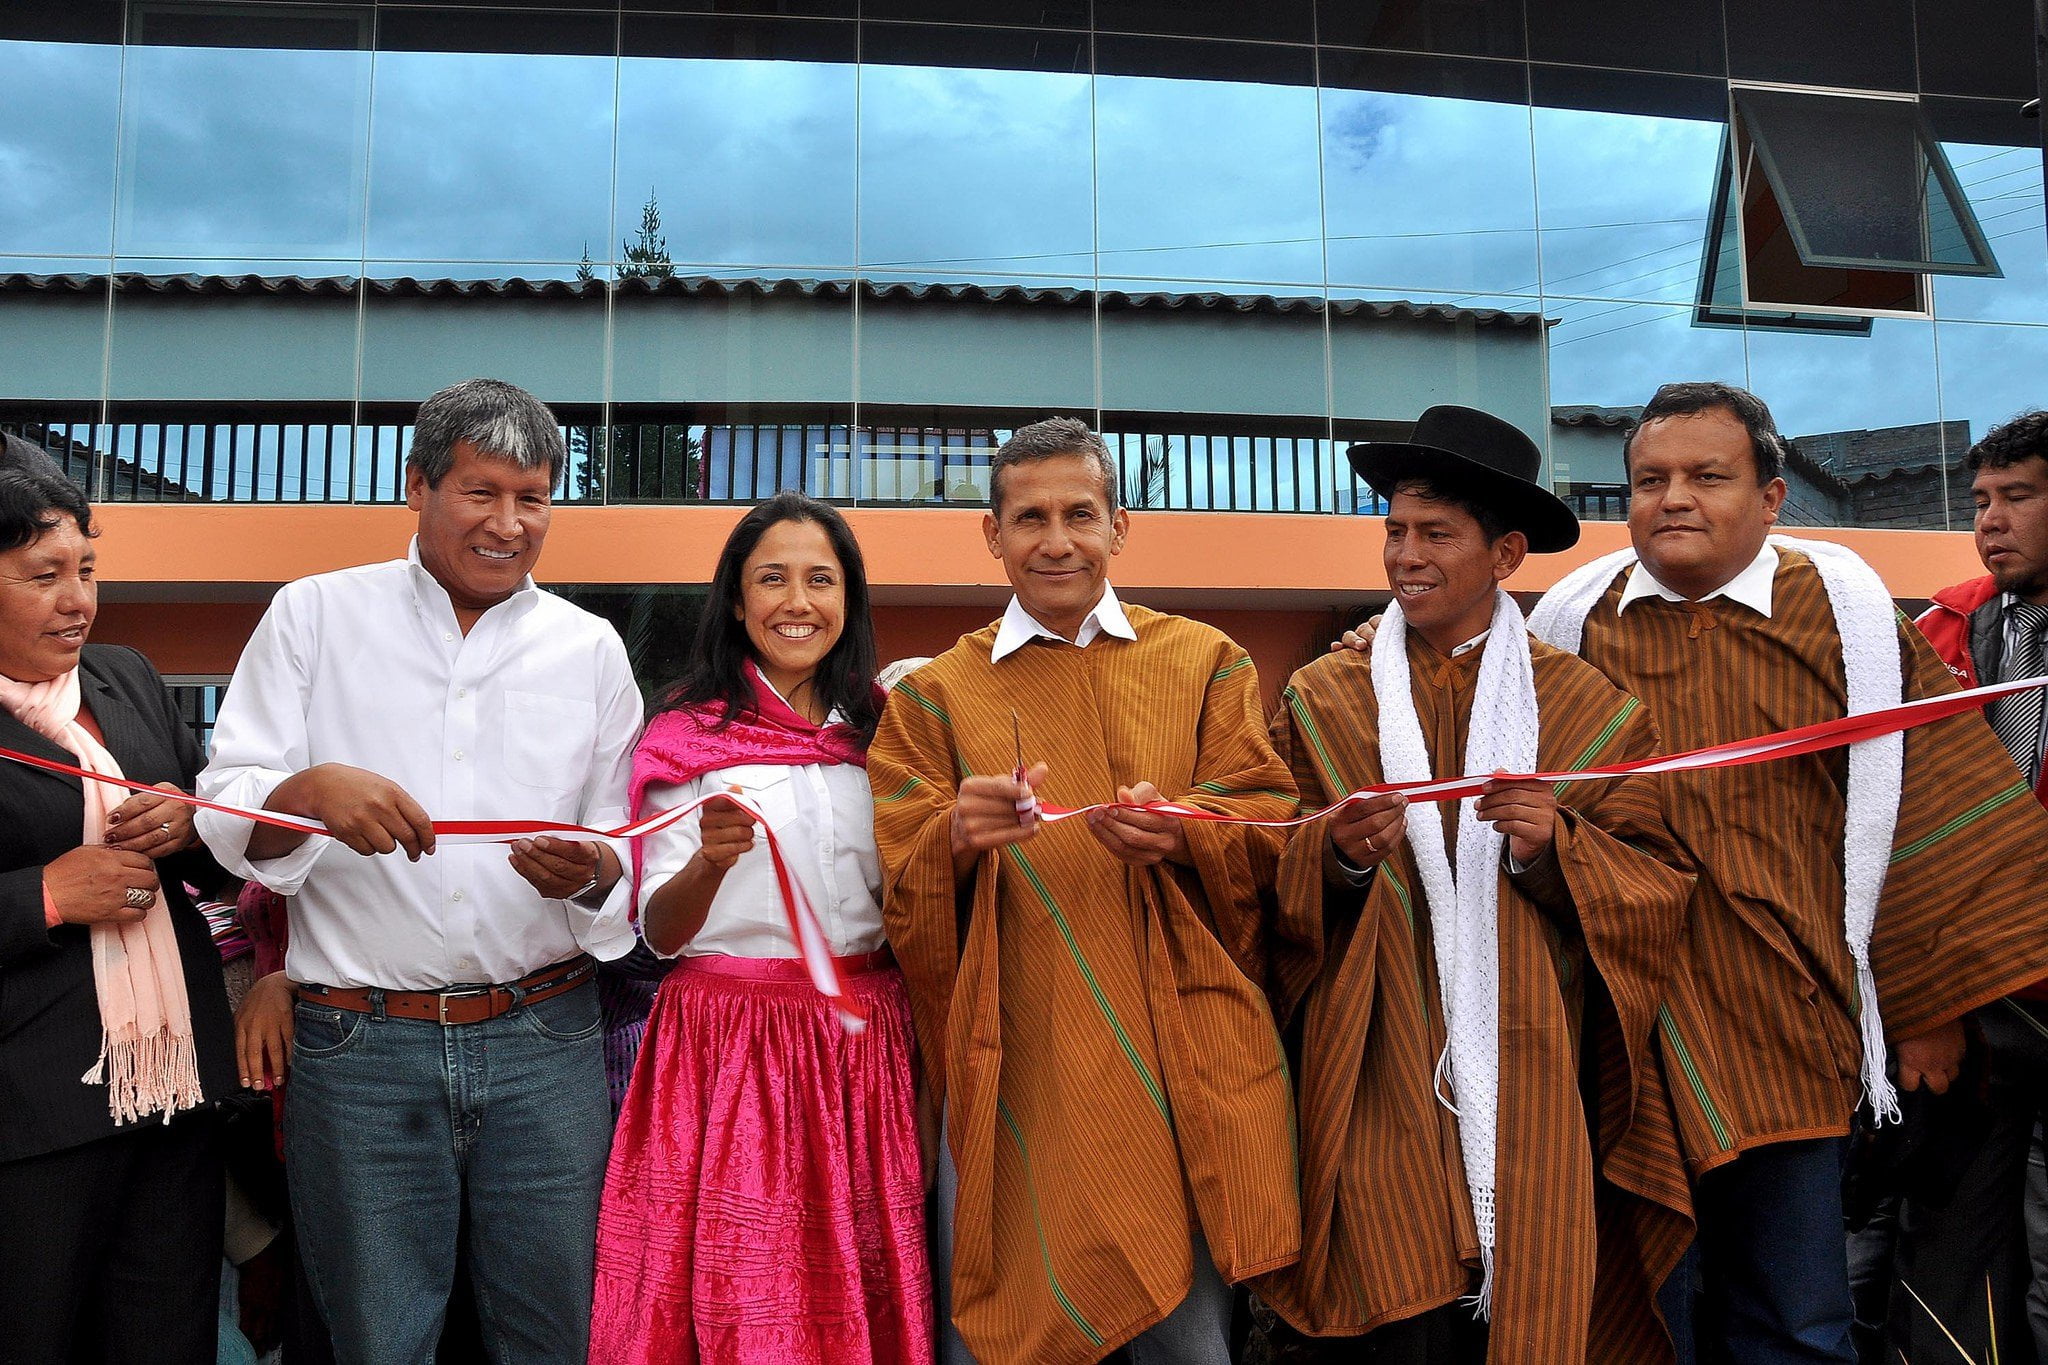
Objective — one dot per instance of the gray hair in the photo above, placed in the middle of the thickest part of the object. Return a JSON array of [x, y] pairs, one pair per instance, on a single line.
[[1046, 440], [499, 419]]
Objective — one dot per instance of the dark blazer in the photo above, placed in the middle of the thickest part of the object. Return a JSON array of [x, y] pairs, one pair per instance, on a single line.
[[49, 1013]]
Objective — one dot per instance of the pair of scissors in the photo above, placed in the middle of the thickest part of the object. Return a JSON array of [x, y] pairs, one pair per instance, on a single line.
[[1027, 805]]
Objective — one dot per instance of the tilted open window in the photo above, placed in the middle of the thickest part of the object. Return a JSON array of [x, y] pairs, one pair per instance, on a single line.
[[1831, 209]]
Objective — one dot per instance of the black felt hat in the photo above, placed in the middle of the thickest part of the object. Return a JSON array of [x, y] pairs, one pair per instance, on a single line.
[[1476, 455]]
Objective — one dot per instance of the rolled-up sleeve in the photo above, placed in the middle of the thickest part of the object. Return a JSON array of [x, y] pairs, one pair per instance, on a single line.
[[259, 740]]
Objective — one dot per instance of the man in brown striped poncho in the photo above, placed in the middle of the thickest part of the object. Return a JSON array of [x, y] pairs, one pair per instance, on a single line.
[[1118, 1118], [1846, 900], [1409, 1207]]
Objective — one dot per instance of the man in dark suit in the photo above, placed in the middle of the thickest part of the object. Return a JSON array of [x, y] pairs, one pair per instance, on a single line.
[[110, 1205]]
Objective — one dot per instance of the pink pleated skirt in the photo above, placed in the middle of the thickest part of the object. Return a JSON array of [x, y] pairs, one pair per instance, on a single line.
[[764, 1201]]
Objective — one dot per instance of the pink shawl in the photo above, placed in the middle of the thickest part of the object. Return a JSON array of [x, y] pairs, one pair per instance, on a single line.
[[147, 1057], [681, 745]]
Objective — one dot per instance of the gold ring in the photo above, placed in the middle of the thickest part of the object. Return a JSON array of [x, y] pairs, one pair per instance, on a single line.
[[138, 898], [1370, 846]]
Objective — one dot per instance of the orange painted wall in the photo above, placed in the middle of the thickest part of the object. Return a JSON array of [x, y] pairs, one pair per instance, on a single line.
[[1330, 558], [1275, 583]]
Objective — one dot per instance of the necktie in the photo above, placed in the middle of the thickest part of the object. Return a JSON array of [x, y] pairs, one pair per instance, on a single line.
[[2018, 721]]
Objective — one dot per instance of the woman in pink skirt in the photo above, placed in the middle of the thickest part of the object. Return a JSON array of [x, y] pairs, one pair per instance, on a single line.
[[764, 1201]]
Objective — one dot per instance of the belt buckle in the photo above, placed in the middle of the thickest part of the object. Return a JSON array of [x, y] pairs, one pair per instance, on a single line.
[[441, 999]]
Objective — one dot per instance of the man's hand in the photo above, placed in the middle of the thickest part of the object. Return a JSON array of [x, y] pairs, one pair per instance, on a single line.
[[1524, 811], [1366, 831], [263, 1031], [559, 868], [1360, 639], [726, 832], [1933, 1058], [992, 811], [1140, 838], [370, 813], [90, 884], [150, 825]]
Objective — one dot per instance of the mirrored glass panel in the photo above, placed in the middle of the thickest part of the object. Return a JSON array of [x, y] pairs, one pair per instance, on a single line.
[[1428, 183], [1606, 358], [743, 134], [1844, 44], [491, 137], [424, 328], [1866, 412], [57, 137], [53, 331], [1480, 28], [1998, 169], [228, 337], [244, 137], [1626, 172], [1205, 183], [1672, 35], [1990, 373], [975, 157]]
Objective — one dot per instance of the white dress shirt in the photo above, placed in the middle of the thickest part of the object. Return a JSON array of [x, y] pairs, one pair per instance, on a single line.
[[533, 713], [1751, 587], [1020, 628], [824, 818]]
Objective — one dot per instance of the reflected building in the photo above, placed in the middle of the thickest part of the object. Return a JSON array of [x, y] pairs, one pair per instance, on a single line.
[[848, 245]]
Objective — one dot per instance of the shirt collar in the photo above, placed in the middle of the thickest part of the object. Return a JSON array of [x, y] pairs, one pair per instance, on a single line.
[[1020, 628], [1462, 650], [1751, 587], [429, 595]]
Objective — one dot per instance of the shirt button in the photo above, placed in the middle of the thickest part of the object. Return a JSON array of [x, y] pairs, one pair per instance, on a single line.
[[461, 691], [456, 896], [448, 635], [458, 755]]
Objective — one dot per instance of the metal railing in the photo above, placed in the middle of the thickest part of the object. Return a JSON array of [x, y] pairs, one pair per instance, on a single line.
[[264, 455]]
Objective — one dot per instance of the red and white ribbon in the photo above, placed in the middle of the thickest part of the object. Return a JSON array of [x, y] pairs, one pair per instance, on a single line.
[[808, 934], [802, 918], [1806, 739]]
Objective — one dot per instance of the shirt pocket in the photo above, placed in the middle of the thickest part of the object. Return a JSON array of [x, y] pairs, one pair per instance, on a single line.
[[549, 740], [767, 786]]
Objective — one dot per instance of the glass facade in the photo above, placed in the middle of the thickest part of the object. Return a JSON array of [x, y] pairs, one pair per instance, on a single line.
[[752, 242]]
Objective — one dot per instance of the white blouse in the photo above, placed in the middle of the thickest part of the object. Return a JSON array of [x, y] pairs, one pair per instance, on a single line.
[[824, 818]]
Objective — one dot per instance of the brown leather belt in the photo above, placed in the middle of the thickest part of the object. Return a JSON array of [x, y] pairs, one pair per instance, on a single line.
[[460, 1004]]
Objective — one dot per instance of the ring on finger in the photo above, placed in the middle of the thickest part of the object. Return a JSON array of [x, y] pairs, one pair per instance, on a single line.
[[138, 898], [1370, 846]]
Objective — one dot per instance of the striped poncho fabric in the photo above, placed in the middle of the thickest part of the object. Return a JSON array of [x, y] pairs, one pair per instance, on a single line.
[[1388, 1231], [1759, 1031], [1110, 1069]]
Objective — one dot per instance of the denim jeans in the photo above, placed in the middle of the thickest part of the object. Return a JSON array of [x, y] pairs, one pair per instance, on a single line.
[[395, 1129], [1195, 1333], [1773, 1259]]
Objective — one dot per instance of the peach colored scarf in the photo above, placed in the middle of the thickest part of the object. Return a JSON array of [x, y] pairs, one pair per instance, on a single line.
[[147, 1057]]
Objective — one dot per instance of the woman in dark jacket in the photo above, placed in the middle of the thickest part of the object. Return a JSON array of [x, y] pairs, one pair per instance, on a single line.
[[114, 1031]]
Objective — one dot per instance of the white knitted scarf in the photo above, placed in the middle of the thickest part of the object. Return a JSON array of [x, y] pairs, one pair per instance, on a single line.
[[1464, 905], [1867, 622]]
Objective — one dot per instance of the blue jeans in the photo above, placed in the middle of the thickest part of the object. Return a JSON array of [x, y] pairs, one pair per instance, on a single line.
[[1773, 1260], [395, 1129], [1195, 1333]]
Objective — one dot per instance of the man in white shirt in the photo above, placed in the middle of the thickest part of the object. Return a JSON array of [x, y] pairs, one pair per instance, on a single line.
[[448, 1060]]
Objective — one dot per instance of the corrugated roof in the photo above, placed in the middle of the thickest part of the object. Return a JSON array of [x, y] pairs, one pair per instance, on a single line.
[[711, 286], [1587, 415]]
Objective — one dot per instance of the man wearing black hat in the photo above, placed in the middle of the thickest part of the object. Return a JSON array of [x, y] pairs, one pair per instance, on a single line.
[[1441, 970]]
